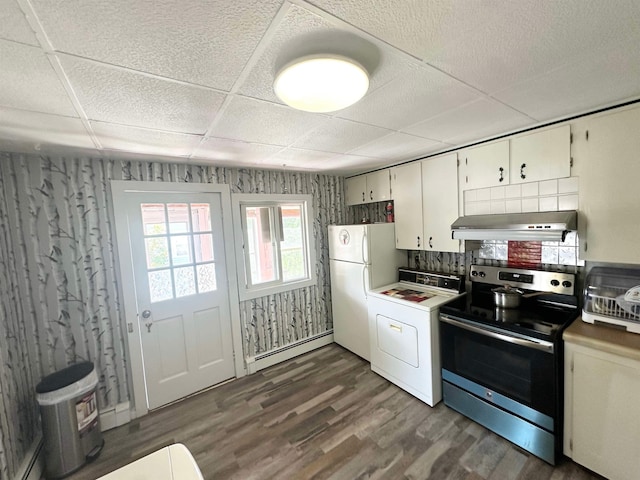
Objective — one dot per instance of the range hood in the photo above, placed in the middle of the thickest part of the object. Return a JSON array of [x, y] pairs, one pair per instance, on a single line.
[[545, 226]]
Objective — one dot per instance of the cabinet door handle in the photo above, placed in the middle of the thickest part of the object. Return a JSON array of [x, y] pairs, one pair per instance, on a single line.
[[501, 170], [363, 199], [522, 167], [371, 194], [418, 241], [397, 328], [430, 242]]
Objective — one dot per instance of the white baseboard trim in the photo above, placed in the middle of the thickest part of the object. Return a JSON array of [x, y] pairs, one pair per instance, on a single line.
[[115, 416], [288, 352], [33, 465]]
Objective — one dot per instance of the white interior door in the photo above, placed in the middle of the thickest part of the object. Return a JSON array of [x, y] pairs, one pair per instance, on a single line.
[[179, 266]]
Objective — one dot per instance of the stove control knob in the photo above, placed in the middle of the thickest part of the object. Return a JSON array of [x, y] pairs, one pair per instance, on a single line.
[[566, 284], [474, 273], [555, 283], [482, 274]]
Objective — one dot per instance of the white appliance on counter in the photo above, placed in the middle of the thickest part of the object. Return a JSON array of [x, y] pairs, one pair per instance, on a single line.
[[404, 330], [361, 257]]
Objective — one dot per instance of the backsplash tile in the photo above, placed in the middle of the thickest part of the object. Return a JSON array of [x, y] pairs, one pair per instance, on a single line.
[[568, 202], [530, 204], [548, 187], [568, 185], [530, 189], [548, 204], [544, 196], [513, 206]]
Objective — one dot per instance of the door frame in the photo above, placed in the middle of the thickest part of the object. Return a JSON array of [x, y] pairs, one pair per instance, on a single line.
[[119, 189]]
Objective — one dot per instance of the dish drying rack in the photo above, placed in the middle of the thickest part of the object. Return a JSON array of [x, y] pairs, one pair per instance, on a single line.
[[611, 296]]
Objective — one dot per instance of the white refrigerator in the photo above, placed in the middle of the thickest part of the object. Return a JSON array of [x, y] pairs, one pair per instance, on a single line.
[[362, 257]]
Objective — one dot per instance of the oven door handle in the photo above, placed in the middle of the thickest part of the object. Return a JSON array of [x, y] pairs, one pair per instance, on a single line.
[[537, 344]]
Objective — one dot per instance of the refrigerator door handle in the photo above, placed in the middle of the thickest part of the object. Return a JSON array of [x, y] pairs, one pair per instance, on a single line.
[[364, 247], [364, 280]]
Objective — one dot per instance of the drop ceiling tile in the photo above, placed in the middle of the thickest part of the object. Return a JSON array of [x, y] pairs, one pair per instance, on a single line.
[[301, 159], [602, 78], [207, 43], [256, 121], [473, 121], [234, 152], [29, 82], [115, 95], [301, 32], [398, 146], [418, 29], [40, 128], [340, 136], [14, 25], [405, 101], [515, 41], [140, 140]]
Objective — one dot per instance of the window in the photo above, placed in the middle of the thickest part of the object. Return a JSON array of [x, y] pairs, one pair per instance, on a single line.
[[273, 232]]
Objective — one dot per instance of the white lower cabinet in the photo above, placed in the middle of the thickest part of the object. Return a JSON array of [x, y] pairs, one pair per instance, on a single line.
[[602, 411]]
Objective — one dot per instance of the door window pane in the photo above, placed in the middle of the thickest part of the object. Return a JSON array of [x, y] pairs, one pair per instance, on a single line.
[[203, 245], [160, 285], [259, 221], [185, 281], [178, 217], [157, 252], [206, 277], [154, 219], [181, 250], [201, 217]]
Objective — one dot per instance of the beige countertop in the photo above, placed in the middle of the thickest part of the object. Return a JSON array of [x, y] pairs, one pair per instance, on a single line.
[[603, 337]]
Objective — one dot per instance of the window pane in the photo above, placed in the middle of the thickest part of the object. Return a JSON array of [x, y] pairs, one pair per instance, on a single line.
[[201, 217], [185, 281], [204, 247], [160, 286], [292, 244], [181, 250], [153, 218], [206, 277], [261, 252], [157, 252], [178, 217]]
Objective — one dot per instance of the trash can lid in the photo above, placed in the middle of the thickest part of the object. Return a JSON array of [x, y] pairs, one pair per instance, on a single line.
[[64, 377]]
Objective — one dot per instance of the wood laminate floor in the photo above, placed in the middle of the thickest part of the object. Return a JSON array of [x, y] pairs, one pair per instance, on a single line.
[[324, 414]]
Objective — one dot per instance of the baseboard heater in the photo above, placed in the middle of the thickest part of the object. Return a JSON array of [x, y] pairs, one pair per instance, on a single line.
[[286, 352]]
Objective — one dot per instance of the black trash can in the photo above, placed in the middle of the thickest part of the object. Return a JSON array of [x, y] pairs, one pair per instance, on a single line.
[[70, 421]]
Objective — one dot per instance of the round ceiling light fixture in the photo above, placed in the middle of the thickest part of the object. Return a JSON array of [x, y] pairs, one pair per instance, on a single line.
[[321, 83]]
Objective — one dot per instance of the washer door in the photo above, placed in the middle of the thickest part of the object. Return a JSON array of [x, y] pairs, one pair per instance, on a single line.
[[397, 339]]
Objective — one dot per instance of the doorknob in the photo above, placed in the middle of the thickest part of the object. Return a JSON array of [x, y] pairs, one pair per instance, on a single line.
[[146, 313]]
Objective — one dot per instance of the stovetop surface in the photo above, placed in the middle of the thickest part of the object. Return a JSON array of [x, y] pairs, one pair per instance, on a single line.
[[533, 317]]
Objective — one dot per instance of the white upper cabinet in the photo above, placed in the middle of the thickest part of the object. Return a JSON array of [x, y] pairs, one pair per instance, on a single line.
[[407, 198], [355, 190], [440, 202], [609, 197], [541, 155], [484, 166], [372, 187]]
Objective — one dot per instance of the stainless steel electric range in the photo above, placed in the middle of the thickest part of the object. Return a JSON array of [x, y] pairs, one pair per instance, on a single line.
[[502, 367]]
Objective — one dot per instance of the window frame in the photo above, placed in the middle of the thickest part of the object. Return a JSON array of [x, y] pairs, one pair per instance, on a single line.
[[240, 201]]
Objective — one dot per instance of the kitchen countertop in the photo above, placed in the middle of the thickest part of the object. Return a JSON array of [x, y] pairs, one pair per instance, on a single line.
[[605, 338]]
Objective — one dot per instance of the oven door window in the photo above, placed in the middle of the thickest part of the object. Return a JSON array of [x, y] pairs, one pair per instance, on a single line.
[[521, 373]]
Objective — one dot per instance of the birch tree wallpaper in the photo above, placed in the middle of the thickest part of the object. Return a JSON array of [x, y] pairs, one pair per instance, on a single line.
[[59, 291]]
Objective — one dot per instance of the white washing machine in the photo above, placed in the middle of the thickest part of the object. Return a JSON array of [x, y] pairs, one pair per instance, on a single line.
[[404, 330]]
